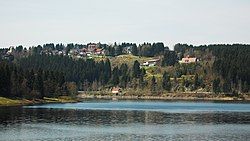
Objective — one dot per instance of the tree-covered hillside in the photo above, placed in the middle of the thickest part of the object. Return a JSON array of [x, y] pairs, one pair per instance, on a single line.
[[44, 71], [231, 64]]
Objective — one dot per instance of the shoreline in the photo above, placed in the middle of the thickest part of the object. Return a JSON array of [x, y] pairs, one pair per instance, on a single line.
[[164, 98], [7, 102]]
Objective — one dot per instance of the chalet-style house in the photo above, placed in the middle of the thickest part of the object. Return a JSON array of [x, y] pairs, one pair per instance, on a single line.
[[187, 60]]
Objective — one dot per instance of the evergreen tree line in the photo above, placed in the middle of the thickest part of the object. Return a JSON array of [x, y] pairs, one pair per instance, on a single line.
[[78, 71], [17, 82], [232, 64], [149, 50], [90, 74], [145, 49]]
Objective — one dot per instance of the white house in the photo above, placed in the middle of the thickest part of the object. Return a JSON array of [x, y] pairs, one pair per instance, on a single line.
[[151, 63]]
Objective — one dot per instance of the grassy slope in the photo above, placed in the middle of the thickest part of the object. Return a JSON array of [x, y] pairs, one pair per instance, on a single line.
[[11, 102], [15, 102], [128, 59]]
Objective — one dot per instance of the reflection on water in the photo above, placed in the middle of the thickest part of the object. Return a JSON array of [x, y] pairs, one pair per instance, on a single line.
[[64, 123]]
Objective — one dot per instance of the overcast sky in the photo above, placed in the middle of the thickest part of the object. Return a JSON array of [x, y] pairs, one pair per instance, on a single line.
[[33, 22]]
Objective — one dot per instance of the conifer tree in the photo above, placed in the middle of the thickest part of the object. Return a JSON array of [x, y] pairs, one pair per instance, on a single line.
[[153, 84], [136, 70], [166, 84]]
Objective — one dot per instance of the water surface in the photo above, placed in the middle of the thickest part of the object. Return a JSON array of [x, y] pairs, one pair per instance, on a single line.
[[126, 120]]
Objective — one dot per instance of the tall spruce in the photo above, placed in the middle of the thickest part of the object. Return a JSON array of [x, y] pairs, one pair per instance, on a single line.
[[166, 84], [134, 50], [153, 84], [216, 85], [136, 69]]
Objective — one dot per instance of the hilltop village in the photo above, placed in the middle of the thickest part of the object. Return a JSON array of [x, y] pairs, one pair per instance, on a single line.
[[91, 51]]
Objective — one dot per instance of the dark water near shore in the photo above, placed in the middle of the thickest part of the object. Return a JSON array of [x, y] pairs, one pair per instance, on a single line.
[[126, 120]]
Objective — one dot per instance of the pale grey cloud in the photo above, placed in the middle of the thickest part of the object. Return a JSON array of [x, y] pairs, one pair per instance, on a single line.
[[32, 22]]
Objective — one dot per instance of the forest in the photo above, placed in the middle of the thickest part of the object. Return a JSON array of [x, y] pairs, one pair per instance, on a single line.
[[29, 84], [231, 65], [37, 75]]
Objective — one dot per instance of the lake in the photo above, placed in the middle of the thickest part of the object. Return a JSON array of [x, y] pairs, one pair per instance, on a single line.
[[126, 120]]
